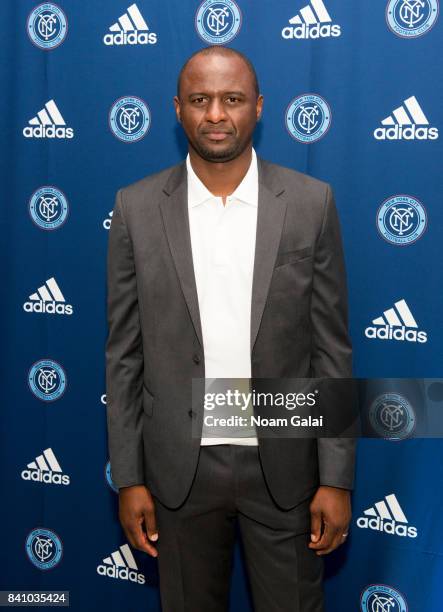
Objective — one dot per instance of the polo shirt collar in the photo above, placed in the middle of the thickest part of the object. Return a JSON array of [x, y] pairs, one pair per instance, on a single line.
[[246, 191]]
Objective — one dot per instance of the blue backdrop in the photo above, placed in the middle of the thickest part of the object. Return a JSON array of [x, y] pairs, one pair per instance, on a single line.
[[353, 96]]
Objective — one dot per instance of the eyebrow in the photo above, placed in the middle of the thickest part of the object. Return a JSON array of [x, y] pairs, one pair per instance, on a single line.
[[226, 93]]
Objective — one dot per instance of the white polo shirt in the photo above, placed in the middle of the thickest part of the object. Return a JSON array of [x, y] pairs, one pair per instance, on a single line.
[[223, 248]]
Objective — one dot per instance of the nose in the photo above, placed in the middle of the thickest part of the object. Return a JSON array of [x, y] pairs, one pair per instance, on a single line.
[[215, 111]]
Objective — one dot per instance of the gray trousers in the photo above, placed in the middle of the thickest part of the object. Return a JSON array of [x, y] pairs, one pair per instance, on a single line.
[[196, 541]]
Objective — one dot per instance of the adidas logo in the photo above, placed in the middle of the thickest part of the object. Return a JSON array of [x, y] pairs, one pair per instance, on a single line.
[[130, 29], [48, 298], [313, 21], [48, 123], [385, 516], [396, 323], [407, 122], [121, 564], [45, 468]]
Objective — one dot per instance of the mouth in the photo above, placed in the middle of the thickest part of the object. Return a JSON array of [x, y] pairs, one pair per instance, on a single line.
[[216, 135]]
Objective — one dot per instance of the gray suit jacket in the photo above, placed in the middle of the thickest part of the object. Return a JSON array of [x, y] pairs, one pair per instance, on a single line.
[[155, 347]]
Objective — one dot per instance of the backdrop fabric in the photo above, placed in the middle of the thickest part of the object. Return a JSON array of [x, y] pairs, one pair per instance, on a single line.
[[353, 96]]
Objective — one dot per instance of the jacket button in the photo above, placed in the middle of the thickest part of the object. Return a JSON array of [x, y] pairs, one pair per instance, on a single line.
[[191, 413], [196, 358]]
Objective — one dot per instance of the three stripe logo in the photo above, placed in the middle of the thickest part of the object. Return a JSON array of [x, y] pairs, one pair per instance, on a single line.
[[48, 292], [401, 116], [308, 15], [390, 316], [387, 515], [130, 29], [406, 122], [122, 557], [126, 24], [121, 564], [45, 468], [396, 323], [45, 462], [48, 298], [49, 115], [388, 508], [48, 123], [312, 21]]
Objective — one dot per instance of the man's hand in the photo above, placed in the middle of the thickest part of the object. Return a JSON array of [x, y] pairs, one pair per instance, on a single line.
[[331, 507], [136, 507]]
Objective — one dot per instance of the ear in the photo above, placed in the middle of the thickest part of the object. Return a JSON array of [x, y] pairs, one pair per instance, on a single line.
[[259, 106], [177, 108]]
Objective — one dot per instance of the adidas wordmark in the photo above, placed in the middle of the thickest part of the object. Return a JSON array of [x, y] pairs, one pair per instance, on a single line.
[[407, 122], [49, 299], [45, 468], [313, 21], [130, 29], [48, 123], [121, 564], [387, 516], [396, 323]]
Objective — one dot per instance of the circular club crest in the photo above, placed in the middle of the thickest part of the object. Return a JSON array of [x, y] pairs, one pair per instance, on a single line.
[[47, 380], [44, 548], [48, 207], [108, 476], [47, 26], [401, 219], [392, 416], [129, 118], [218, 22], [308, 118], [382, 597], [411, 18]]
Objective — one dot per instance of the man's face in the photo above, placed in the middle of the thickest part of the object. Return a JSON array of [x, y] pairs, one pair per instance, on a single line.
[[218, 106]]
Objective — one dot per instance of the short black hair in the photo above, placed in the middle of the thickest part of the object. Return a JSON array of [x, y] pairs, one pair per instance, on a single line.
[[226, 52]]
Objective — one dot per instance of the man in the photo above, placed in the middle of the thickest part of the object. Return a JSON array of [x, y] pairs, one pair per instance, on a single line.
[[225, 266]]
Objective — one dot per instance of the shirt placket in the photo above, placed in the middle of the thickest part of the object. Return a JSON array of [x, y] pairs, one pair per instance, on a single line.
[[221, 238]]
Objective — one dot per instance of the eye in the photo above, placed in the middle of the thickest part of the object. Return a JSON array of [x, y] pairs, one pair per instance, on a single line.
[[233, 99], [198, 100]]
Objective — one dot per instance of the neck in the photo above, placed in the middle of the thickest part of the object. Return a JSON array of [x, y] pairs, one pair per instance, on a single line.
[[221, 178]]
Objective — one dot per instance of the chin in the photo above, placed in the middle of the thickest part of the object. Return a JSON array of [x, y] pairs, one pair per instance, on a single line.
[[219, 154]]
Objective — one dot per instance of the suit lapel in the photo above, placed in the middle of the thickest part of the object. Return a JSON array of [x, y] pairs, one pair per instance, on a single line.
[[270, 217], [174, 209]]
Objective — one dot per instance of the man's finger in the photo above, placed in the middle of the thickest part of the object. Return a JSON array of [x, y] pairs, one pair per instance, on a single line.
[[138, 539], [315, 526], [151, 525], [326, 539], [340, 533], [335, 543]]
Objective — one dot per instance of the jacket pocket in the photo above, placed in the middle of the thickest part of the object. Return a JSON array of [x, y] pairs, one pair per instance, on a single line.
[[148, 401], [292, 256]]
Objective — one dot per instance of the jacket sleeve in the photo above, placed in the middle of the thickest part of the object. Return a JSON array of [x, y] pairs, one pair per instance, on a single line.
[[124, 357], [331, 355]]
